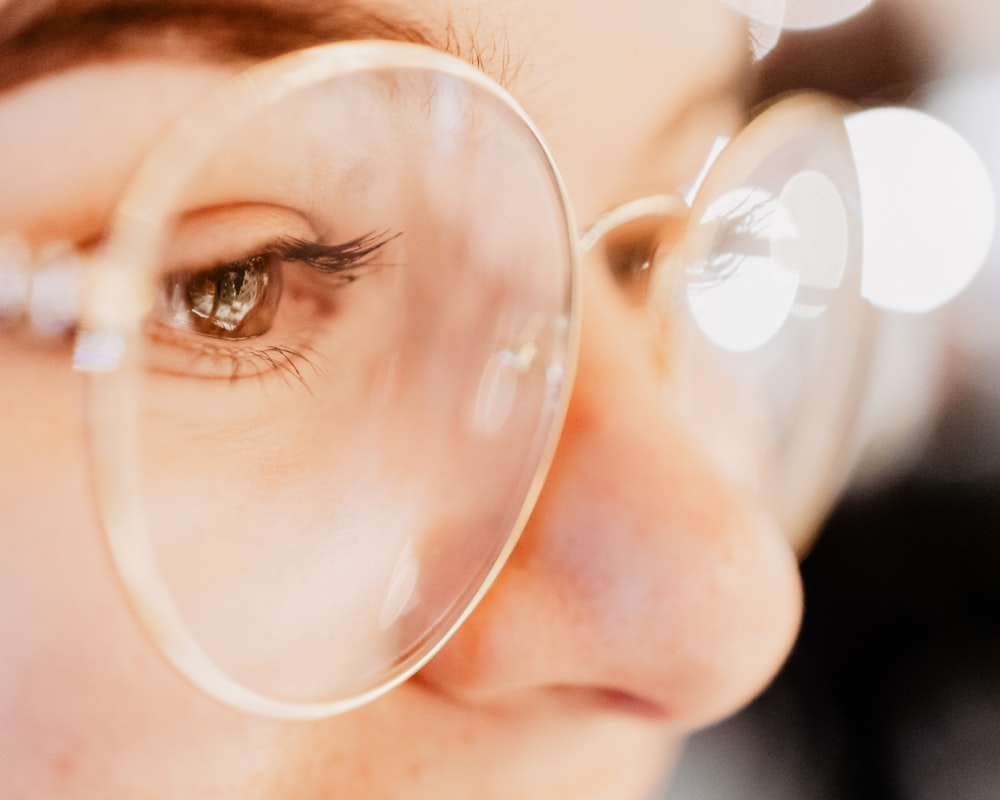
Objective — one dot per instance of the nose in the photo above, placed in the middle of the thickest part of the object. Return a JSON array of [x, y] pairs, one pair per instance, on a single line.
[[643, 574]]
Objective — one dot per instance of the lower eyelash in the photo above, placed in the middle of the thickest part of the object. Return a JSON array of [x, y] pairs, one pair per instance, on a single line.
[[208, 361], [284, 362]]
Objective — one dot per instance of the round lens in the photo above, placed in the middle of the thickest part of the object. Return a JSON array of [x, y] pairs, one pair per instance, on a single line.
[[342, 289], [768, 271]]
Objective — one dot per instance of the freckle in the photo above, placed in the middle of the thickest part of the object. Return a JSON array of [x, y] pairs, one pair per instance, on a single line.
[[416, 770], [65, 765]]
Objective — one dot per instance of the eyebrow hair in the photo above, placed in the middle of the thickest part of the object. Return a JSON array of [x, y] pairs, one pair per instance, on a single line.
[[38, 39]]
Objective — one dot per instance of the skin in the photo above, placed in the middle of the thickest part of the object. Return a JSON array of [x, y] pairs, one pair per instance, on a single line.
[[644, 600]]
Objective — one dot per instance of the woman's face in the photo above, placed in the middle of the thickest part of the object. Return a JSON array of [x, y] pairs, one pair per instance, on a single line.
[[647, 596]]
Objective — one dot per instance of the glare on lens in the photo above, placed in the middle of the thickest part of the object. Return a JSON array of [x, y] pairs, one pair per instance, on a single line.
[[928, 205]]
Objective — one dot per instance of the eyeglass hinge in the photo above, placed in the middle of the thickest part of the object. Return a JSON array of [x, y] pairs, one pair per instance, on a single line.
[[43, 290]]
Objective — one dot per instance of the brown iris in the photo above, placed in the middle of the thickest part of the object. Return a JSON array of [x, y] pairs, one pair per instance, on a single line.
[[237, 300]]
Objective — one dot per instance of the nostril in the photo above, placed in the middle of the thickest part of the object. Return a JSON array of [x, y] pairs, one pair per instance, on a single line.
[[630, 704]]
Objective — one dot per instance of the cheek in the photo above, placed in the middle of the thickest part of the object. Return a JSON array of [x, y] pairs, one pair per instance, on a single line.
[[50, 547], [53, 607], [87, 706], [60, 620]]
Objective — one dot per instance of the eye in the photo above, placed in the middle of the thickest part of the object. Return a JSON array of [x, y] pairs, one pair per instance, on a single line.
[[234, 301], [634, 252], [630, 264]]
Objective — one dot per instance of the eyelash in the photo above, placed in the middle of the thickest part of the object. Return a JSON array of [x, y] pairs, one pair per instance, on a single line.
[[243, 361], [738, 226], [342, 260]]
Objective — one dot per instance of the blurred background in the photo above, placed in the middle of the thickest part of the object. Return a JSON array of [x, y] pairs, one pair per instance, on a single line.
[[893, 690]]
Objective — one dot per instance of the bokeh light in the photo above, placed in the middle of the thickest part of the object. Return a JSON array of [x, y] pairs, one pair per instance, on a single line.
[[971, 104], [765, 19], [811, 14], [928, 207], [768, 18]]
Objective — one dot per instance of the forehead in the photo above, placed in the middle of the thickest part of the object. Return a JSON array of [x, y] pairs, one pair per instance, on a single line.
[[609, 83], [43, 35]]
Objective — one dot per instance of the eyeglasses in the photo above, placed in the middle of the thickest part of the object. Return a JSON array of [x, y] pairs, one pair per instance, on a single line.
[[330, 338]]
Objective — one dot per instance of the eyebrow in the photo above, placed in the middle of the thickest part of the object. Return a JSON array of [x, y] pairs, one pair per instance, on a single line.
[[38, 39]]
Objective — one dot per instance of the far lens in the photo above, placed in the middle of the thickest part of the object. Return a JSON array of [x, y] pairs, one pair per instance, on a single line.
[[769, 273]]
